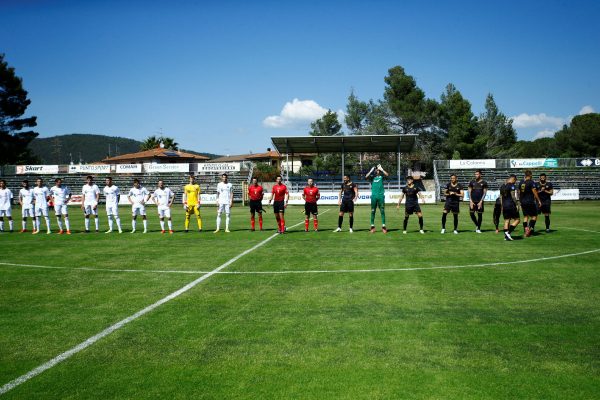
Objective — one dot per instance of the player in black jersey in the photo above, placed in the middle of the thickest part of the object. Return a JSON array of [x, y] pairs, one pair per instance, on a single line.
[[348, 196], [412, 203], [545, 191], [530, 201], [454, 194], [477, 191], [510, 206]]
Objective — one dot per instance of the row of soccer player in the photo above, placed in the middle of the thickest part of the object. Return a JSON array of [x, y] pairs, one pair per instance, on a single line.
[[35, 202]]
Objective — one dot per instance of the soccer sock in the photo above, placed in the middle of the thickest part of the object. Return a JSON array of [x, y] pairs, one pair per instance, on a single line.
[[444, 216], [316, 223], [547, 220], [479, 220], [145, 222], [473, 218], [68, 225], [252, 222], [23, 224], [133, 223], [47, 223], [87, 224], [218, 221], [36, 224], [170, 224], [405, 222], [110, 223], [532, 224], [118, 222], [260, 221], [1, 224], [455, 222], [162, 225], [199, 222], [382, 211], [186, 224], [227, 221], [278, 222], [10, 224], [96, 223], [351, 221], [282, 224], [373, 217], [59, 221], [511, 228], [305, 224], [340, 220], [421, 223]]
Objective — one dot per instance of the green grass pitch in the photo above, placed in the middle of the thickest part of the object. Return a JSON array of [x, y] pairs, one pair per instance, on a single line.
[[506, 331]]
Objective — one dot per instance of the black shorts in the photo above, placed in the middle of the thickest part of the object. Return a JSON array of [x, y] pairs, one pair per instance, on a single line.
[[256, 206], [510, 213], [546, 208], [347, 206], [412, 208], [529, 209], [452, 206], [476, 207], [279, 206], [311, 208]]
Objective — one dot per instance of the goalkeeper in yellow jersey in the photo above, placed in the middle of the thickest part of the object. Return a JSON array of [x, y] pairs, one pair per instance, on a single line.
[[191, 202]]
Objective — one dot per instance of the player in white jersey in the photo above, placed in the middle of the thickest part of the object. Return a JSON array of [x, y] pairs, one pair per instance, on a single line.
[[60, 198], [224, 201], [163, 198], [112, 195], [26, 202], [138, 196], [6, 197], [89, 203], [41, 196]]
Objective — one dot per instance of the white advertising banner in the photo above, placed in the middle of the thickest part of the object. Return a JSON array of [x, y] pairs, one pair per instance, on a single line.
[[218, 167], [332, 198], [37, 169], [472, 164], [151, 167], [128, 168], [90, 169], [533, 163], [491, 195], [565, 194]]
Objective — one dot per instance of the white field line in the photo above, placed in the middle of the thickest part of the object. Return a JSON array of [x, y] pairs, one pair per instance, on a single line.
[[91, 340], [582, 230]]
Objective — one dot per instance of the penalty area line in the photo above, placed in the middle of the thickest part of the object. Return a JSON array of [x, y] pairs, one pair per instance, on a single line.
[[93, 339]]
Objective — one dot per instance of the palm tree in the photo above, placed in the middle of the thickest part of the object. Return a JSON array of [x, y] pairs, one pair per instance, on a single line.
[[153, 142]]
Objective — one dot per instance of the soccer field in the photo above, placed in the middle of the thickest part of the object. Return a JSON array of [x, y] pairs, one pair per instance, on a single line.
[[317, 315]]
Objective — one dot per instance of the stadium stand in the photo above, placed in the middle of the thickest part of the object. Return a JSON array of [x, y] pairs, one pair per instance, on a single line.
[[566, 175]]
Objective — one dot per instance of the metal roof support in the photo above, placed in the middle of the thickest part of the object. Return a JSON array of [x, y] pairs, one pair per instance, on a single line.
[[398, 163], [343, 159]]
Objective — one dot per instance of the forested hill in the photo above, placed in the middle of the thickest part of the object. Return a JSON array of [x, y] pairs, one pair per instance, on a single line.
[[86, 148]]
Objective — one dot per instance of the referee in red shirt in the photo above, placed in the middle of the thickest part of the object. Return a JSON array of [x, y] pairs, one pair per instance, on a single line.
[[256, 194], [311, 195], [279, 197]]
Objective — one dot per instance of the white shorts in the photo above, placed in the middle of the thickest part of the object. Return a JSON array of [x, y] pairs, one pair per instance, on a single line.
[[60, 209], [89, 209], [112, 209], [164, 212], [27, 211], [39, 211], [5, 213], [138, 209], [224, 208]]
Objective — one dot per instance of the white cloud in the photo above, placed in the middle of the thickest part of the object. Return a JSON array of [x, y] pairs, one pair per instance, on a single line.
[[586, 110], [545, 133], [295, 114], [525, 120]]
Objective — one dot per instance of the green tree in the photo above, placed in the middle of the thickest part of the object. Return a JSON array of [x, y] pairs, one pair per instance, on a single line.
[[13, 104], [153, 142], [496, 130], [357, 114], [458, 121], [581, 138], [327, 125]]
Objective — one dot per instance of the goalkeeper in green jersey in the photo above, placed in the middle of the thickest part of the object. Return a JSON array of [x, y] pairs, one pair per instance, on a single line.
[[376, 175]]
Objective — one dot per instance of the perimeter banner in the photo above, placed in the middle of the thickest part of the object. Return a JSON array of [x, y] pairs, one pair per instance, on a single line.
[[332, 198], [37, 169], [534, 163], [218, 167], [472, 164], [150, 167], [128, 168], [89, 169]]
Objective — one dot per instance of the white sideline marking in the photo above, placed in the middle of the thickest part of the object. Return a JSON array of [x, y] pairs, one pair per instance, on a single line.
[[91, 340], [579, 229]]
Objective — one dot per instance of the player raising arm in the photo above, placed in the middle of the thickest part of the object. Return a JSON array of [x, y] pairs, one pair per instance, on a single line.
[[279, 198], [138, 196], [26, 202], [311, 195], [163, 198], [348, 196], [376, 175], [413, 195], [256, 195], [191, 203]]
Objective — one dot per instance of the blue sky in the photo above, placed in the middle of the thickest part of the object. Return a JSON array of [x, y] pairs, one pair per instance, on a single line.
[[225, 76]]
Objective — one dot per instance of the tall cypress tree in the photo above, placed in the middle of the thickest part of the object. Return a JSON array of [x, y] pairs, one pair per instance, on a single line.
[[13, 104]]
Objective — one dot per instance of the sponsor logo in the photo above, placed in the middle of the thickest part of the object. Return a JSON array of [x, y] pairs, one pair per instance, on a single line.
[[472, 164], [534, 163], [588, 162]]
